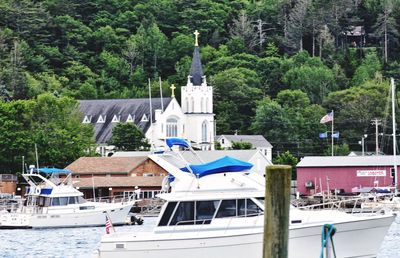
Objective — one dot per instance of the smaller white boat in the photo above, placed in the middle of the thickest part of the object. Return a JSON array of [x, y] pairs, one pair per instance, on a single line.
[[54, 202]]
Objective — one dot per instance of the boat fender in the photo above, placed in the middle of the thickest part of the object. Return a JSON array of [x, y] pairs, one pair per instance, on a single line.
[[37, 190]]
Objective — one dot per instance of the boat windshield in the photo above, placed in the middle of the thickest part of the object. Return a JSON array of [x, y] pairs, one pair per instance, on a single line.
[[203, 212]]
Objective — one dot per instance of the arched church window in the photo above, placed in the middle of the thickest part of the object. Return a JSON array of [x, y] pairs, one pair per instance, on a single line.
[[202, 105], [172, 127], [187, 105], [204, 131], [207, 105], [192, 105]]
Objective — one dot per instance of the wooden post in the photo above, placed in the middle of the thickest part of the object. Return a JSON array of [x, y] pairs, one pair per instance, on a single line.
[[276, 213]]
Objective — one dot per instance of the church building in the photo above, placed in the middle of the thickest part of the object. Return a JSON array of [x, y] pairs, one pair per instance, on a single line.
[[159, 118]]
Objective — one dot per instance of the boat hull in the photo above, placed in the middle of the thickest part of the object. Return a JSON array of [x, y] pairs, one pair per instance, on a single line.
[[361, 238], [66, 217]]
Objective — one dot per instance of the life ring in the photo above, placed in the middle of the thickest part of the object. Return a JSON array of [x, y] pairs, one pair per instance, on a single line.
[[37, 190]]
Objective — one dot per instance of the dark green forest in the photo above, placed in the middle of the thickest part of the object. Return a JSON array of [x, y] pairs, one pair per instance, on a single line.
[[277, 67]]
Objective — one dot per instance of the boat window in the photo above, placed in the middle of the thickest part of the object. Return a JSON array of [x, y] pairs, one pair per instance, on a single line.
[[55, 201], [205, 211], [86, 207], [63, 201], [227, 209], [81, 200], [184, 214], [252, 208], [72, 200], [241, 207], [47, 202], [261, 199], [167, 214]]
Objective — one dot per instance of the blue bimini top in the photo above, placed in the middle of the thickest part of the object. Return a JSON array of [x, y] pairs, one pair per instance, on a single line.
[[177, 141], [54, 171], [225, 164]]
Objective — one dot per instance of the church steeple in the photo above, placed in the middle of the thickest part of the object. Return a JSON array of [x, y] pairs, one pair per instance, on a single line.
[[196, 70]]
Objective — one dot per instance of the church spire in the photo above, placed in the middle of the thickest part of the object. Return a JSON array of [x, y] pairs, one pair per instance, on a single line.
[[196, 70]]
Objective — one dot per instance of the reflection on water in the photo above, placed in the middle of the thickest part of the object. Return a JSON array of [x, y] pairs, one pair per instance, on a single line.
[[82, 242], [61, 242]]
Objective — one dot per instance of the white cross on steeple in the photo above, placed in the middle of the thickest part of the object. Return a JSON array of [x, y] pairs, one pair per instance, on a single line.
[[196, 42]]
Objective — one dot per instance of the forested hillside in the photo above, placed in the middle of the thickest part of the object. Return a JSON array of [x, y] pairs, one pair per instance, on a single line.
[[277, 66]]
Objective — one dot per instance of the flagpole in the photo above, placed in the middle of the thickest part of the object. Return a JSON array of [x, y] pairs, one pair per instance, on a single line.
[[332, 131]]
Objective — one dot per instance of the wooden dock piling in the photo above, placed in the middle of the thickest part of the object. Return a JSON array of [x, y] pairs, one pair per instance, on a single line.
[[276, 213]]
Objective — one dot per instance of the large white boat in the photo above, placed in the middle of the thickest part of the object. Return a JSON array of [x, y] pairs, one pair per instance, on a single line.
[[214, 213], [52, 201]]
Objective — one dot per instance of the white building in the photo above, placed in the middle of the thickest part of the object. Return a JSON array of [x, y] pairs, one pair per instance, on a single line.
[[257, 141], [165, 117]]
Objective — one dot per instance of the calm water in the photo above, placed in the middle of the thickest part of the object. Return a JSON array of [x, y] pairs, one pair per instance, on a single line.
[[81, 242]]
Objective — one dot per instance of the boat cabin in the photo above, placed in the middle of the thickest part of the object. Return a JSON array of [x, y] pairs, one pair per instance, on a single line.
[[204, 211]]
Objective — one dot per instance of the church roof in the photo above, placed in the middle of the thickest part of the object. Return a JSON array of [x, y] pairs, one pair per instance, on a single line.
[[196, 71], [106, 113]]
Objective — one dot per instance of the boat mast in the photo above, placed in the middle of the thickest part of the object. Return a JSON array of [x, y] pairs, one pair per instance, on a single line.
[[394, 136]]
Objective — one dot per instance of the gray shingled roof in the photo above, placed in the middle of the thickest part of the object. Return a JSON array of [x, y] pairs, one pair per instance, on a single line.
[[347, 161], [108, 108], [255, 140], [196, 71]]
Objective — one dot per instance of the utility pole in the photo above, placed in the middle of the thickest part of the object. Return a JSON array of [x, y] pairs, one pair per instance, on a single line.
[[376, 122]]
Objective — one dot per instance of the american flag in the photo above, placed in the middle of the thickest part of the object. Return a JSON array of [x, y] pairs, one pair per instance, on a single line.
[[108, 224], [327, 118]]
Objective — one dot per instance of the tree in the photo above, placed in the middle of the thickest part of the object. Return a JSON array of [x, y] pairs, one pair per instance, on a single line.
[[128, 137], [310, 75], [368, 69], [243, 29], [242, 146], [236, 93], [296, 25], [385, 27], [287, 158], [57, 129]]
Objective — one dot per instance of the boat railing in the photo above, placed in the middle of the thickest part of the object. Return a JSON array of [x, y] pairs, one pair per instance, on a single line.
[[351, 205], [114, 198]]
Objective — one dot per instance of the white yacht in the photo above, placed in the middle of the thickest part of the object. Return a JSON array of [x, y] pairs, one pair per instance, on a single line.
[[52, 201], [212, 212]]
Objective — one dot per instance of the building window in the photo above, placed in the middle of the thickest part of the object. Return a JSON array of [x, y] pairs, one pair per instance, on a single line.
[[148, 174], [207, 105], [204, 131], [101, 119], [172, 127], [187, 104], [87, 120], [162, 128], [130, 119], [202, 105], [116, 119], [144, 118], [222, 141], [192, 107]]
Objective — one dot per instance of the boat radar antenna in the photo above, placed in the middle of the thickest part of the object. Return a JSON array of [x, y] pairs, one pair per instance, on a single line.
[[394, 136], [37, 158], [152, 148]]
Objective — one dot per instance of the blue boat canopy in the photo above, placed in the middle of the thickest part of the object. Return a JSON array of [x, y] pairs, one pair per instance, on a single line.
[[225, 164], [177, 141], [54, 171]]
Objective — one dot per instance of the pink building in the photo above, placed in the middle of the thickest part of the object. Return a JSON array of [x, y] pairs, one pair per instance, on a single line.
[[344, 173]]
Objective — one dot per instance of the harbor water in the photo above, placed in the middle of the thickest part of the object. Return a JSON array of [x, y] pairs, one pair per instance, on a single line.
[[82, 242]]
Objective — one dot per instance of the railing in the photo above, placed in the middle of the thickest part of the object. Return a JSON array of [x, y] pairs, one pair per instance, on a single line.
[[351, 205], [113, 198]]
